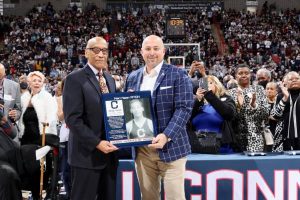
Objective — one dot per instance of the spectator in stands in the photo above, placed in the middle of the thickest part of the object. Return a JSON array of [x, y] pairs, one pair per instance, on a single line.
[[217, 109], [196, 72], [38, 107], [288, 109], [252, 110], [10, 94], [271, 93], [232, 84], [10, 184], [226, 79], [119, 82], [263, 77], [135, 61], [23, 83]]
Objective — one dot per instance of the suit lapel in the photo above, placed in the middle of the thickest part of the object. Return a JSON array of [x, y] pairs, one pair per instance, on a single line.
[[109, 82], [159, 79], [92, 78], [139, 80]]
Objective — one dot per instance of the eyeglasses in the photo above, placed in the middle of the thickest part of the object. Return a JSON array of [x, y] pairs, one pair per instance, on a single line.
[[97, 50]]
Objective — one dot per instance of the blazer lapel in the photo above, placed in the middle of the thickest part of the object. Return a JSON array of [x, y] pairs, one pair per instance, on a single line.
[[92, 78], [139, 80], [159, 79]]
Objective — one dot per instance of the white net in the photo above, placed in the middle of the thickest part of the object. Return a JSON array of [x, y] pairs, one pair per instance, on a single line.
[[182, 54]]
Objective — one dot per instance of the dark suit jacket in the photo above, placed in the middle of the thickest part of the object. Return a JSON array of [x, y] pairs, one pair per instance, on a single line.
[[83, 115]]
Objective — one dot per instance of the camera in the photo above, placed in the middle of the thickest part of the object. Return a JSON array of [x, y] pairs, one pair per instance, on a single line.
[[203, 83]]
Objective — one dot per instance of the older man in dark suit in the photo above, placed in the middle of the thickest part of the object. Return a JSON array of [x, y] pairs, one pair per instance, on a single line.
[[91, 156], [172, 100]]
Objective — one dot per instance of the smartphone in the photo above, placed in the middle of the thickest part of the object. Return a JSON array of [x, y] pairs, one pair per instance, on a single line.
[[203, 83]]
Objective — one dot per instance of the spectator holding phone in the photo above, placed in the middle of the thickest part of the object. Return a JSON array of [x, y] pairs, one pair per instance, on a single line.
[[216, 108], [197, 69], [196, 72]]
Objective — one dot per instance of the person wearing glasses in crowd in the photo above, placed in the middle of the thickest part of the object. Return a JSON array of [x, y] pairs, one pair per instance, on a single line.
[[92, 158], [288, 109], [252, 111]]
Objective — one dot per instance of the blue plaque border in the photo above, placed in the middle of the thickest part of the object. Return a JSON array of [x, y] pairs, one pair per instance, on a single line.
[[127, 96]]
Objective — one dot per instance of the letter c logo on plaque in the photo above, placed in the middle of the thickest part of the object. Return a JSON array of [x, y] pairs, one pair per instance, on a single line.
[[114, 104], [114, 108]]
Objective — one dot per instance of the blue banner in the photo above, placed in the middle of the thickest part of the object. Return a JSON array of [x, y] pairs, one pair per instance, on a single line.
[[225, 177]]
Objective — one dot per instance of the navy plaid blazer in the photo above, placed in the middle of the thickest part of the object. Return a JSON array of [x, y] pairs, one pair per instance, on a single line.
[[172, 101]]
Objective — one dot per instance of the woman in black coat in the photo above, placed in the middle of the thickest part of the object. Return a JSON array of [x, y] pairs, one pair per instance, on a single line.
[[213, 113]]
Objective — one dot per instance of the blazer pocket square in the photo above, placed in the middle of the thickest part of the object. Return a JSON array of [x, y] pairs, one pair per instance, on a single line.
[[165, 87]]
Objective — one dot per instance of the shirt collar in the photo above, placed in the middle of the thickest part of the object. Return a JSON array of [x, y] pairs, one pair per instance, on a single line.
[[155, 71], [96, 71]]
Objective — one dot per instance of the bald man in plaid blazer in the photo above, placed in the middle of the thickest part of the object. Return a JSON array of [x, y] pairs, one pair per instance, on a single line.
[[172, 100]]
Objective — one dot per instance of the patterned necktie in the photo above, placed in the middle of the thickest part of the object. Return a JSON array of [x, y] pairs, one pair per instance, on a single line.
[[102, 82]]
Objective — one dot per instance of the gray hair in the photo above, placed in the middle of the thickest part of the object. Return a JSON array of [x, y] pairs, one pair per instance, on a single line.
[[265, 72]]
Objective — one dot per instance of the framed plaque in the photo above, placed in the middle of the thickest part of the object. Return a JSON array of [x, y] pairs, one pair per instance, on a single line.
[[129, 118]]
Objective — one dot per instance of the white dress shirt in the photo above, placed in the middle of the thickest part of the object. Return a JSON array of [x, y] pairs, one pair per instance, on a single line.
[[149, 80]]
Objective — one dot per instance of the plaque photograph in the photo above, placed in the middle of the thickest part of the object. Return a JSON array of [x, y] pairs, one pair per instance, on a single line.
[[129, 119]]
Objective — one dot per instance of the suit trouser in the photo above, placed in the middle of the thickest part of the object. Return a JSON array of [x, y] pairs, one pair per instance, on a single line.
[[151, 171], [93, 184]]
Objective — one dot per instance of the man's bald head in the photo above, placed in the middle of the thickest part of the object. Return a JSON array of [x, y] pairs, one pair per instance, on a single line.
[[153, 51], [96, 52], [96, 40], [153, 38]]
